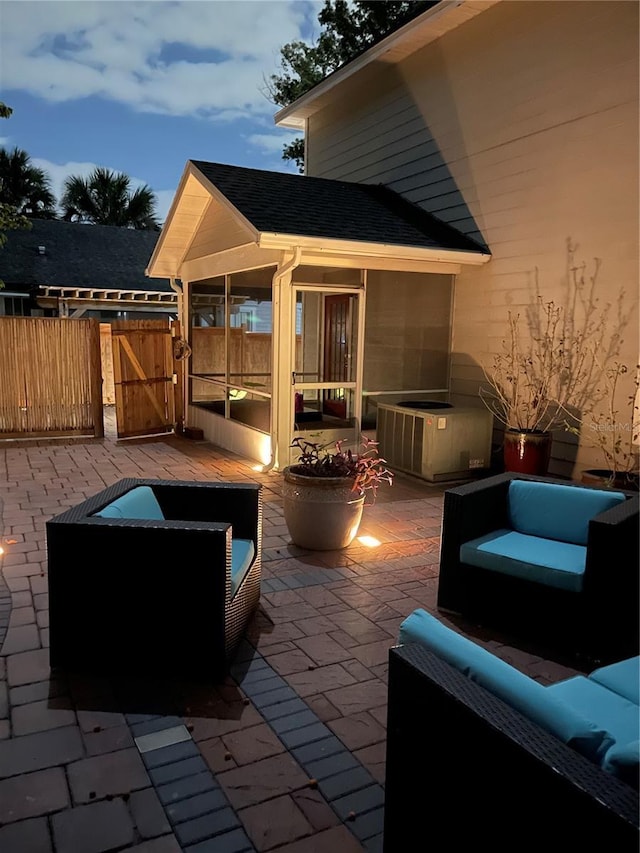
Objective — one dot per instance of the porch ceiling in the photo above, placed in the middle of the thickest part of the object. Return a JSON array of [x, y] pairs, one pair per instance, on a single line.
[[226, 209]]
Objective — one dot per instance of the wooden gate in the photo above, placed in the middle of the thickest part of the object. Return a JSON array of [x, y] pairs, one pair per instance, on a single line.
[[50, 377], [147, 378]]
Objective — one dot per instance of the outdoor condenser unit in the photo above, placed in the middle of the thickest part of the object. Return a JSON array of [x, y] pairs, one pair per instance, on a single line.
[[435, 441]]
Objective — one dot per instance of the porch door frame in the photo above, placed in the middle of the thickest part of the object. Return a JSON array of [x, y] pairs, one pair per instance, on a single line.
[[357, 352]]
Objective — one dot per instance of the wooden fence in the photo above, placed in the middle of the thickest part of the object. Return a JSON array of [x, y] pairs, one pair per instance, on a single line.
[[50, 377]]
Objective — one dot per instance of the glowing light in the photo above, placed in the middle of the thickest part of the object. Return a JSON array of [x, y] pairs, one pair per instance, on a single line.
[[1, 550], [257, 468], [369, 541]]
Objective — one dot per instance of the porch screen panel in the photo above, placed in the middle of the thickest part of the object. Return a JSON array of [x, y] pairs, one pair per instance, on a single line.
[[208, 341], [407, 336], [250, 336]]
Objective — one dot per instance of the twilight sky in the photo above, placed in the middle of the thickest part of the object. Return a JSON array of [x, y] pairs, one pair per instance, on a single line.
[[142, 87]]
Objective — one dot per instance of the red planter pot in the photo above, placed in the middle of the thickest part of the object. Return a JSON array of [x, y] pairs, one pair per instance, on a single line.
[[527, 451]]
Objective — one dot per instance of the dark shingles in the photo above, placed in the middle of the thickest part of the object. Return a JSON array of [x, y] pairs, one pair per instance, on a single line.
[[284, 203], [82, 256]]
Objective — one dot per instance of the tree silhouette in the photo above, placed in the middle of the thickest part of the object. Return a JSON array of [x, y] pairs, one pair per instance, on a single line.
[[25, 187], [347, 29], [106, 198]]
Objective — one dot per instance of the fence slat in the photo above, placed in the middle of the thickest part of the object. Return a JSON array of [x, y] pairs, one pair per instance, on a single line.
[[50, 377]]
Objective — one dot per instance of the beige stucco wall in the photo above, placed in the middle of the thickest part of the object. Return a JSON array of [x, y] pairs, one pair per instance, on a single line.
[[520, 127]]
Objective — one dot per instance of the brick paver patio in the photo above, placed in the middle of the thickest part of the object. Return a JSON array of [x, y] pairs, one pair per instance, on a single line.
[[288, 754]]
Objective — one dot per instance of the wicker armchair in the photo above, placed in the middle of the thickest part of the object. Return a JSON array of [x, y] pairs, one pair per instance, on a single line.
[[154, 595], [509, 784], [598, 624]]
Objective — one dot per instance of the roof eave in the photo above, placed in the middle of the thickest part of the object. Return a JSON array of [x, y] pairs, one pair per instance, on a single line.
[[433, 24], [359, 248], [159, 268], [151, 268]]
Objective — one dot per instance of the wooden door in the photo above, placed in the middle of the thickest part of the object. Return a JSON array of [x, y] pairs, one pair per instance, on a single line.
[[336, 352], [146, 378]]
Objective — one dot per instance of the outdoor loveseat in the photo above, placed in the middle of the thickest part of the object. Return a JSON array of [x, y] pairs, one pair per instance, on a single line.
[[513, 764], [552, 561], [155, 577]]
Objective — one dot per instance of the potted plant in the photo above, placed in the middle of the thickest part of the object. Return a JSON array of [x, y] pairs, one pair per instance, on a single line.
[[615, 432], [324, 493], [547, 376]]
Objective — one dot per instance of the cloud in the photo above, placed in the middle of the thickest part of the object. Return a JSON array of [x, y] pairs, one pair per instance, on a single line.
[[4, 141], [58, 172], [270, 143], [207, 59]]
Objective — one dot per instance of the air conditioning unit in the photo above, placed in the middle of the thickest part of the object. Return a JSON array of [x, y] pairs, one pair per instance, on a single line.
[[436, 441]]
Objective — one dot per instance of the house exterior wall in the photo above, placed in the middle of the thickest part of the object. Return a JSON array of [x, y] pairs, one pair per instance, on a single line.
[[521, 129]]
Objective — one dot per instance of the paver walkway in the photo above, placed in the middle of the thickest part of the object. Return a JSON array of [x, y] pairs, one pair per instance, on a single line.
[[288, 754]]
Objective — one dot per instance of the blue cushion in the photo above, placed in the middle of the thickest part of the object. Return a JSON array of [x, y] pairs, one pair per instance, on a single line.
[[509, 684], [139, 502], [558, 564], [623, 761], [619, 716], [242, 554], [622, 677], [557, 512]]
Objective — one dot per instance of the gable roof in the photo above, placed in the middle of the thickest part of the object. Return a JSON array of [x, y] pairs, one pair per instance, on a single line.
[[245, 218], [285, 203], [79, 256]]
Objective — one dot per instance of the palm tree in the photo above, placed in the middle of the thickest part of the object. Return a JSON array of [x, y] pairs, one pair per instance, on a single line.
[[25, 187], [105, 198]]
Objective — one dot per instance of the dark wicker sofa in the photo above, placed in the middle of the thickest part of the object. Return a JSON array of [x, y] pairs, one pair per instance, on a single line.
[[153, 595], [597, 624], [504, 783]]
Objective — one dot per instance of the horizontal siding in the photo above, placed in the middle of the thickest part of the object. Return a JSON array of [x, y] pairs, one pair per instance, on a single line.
[[519, 128], [454, 102]]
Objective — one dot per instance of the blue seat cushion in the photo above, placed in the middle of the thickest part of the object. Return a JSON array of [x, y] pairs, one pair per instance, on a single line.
[[509, 684], [242, 554], [139, 502], [615, 713], [622, 677], [554, 511], [546, 561]]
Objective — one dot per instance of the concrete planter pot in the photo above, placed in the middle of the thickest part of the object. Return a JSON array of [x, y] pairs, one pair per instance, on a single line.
[[321, 513]]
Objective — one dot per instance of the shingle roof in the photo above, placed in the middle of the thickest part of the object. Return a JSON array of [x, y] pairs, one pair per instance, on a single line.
[[83, 256], [284, 203]]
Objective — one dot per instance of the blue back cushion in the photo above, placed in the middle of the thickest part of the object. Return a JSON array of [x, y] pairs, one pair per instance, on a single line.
[[553, 511], [139, 502], [509, 684], [622, 677], [612, 711]]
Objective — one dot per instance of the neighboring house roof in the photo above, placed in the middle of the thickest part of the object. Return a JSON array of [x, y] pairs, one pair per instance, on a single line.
[[285, 203], [80, 257], [426, 27]]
